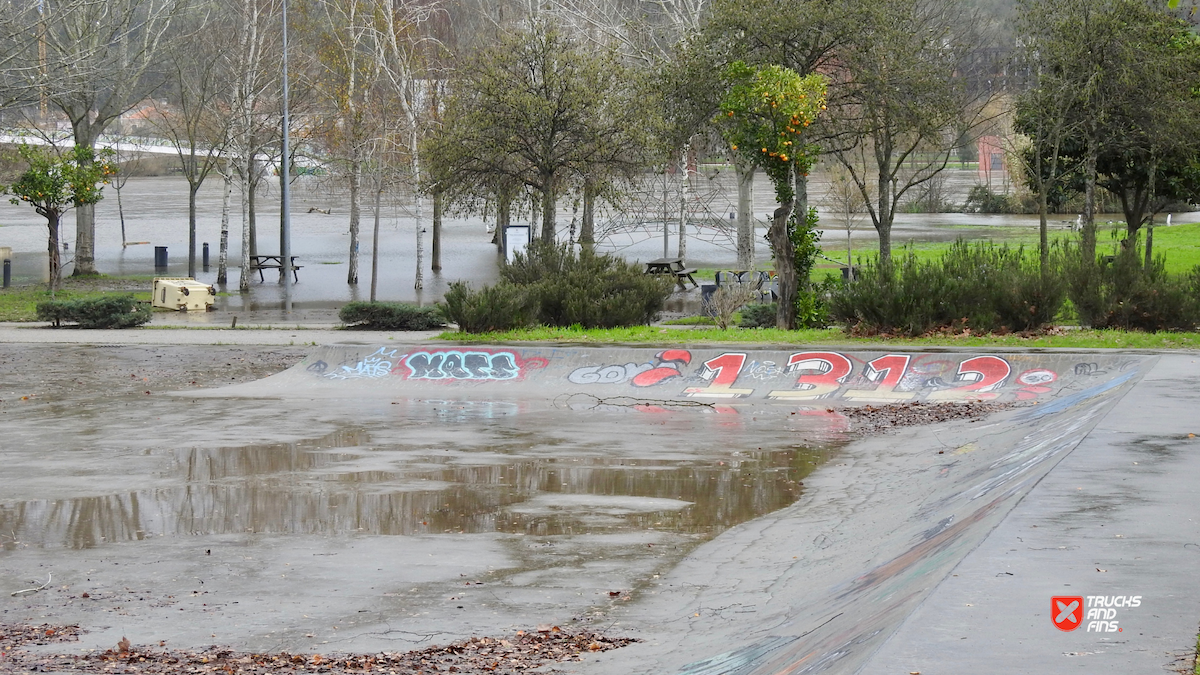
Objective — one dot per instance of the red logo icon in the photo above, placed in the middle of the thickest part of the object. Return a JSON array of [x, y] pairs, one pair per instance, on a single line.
[[1066, 612]]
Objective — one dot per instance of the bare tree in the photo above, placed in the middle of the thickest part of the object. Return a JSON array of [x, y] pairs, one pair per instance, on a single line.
[[904, 101], [252, 84], [97, 59], [193, 124]]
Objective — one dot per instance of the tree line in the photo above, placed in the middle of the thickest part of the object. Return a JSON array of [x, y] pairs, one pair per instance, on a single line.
[[510, 108]]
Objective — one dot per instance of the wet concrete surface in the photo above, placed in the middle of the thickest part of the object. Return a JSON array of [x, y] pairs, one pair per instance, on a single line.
[[285, 513], [348, 525], [1119, 517]]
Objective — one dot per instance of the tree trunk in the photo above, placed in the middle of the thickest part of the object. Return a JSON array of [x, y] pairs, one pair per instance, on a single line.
[[885, 210], [785, 266], [247, 202], [1088, 234], [355, 175], [223, 254], [53, 223], [587, 230], [435, 252], [252, 202], [85, 240], [193, 188], [549, 204], [683, 199], [803, 283], [745, 215], [1149, 244], [375, 239], [85, 215], [120, 210], [503, 219]]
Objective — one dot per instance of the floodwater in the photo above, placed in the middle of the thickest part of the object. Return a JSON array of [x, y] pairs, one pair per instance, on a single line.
[[156, 212], [370, 523], [410, 468]]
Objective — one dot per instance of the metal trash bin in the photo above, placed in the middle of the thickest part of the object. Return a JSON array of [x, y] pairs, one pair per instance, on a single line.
[[184, 294]]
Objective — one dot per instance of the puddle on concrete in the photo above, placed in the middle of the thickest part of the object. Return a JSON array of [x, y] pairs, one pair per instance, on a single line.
[[457, 467]]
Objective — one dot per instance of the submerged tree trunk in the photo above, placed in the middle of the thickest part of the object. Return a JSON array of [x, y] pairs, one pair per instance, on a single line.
[[120, 211], [223, 253], [193, 188], [355, 175], [247, 202], [375, 240], [745, 216], [435, 251], [252, 205]]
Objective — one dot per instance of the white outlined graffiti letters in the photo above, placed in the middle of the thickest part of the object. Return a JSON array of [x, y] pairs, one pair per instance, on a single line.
[[374, 366], [461, 365], [614, 374]]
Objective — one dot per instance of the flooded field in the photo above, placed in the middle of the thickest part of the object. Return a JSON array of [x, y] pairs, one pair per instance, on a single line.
[[156, 212]]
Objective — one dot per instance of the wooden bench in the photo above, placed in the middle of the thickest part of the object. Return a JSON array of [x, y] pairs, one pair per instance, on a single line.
[[674, 267], [272, 262]]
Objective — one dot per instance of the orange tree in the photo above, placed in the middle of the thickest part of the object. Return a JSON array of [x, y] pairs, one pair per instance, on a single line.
[[54, 183], [764, 115]]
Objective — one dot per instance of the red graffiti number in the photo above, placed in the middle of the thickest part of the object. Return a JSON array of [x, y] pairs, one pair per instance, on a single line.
[[985, 374], [831, 369], [723, 371], [887, 371]]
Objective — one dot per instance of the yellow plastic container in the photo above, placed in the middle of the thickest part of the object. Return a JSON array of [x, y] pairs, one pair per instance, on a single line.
[[184, 294]]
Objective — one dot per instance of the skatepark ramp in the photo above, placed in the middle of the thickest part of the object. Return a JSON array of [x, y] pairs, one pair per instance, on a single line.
[[682, 374], [819, 586]]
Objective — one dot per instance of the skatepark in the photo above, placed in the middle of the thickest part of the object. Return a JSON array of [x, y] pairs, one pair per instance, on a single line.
[[713, 502]]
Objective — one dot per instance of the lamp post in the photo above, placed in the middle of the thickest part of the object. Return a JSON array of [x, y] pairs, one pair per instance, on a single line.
[[285, 221]]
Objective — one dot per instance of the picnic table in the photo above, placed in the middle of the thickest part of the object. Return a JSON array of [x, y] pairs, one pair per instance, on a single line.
[[674, 267], [272, 262]]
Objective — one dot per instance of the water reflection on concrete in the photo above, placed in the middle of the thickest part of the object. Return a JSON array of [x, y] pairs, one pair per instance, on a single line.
[[419, 470]]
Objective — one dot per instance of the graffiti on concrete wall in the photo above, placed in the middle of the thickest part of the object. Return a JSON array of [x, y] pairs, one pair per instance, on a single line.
[[666, 365], [432, 364], [376, 365], [890, 378], [455, 364]]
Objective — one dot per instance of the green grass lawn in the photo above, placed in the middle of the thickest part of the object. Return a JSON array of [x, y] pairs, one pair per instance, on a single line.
[[1180, 244], [20, 303], [1075, 339]]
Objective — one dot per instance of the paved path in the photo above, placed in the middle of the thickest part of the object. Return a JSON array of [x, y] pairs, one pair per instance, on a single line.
[[166, 334]]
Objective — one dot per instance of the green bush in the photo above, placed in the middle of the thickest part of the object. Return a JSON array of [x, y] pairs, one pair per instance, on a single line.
[[504, 306], [981, 287], [1119, 292], [585, 289], [552, 285], [390, 316], [758, 316], [112, 311]]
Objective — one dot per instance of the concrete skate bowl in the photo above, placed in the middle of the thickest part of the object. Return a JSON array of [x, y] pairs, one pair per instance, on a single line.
[[819, 585]]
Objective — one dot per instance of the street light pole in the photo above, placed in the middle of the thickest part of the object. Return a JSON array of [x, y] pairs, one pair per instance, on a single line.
[[285, 221]]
